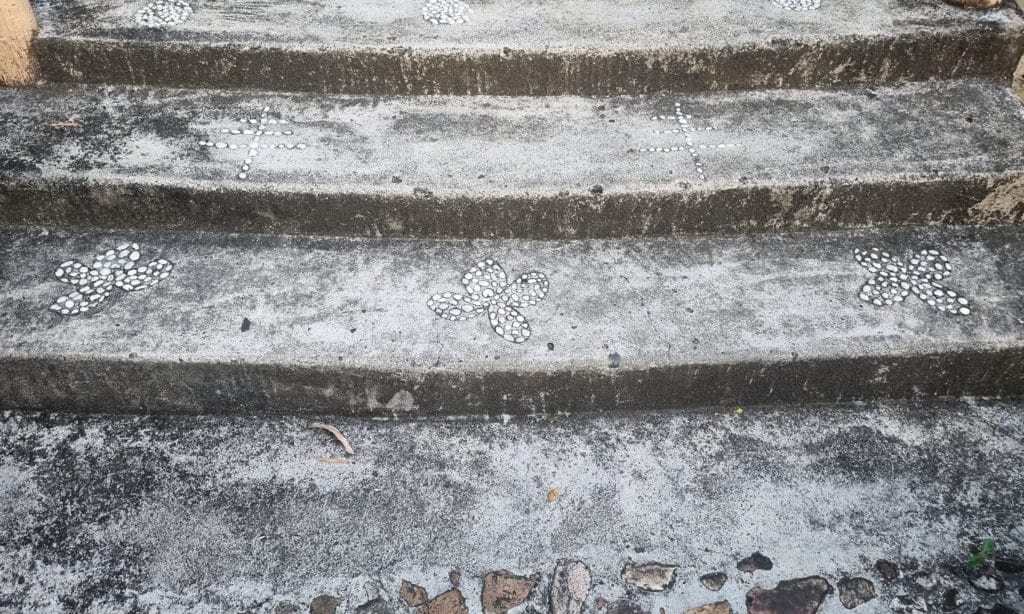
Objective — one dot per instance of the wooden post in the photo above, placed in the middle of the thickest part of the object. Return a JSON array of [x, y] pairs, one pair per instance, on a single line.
[[17, 27]]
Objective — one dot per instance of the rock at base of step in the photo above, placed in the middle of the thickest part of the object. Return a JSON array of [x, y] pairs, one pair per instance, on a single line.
[[855, 591], [413, 595], [718, 607], [650, 576], [451, 602], [889, 570], [503, 591], [569, 587], [324, 604], [800, 596], [714, 581], [375, 606], [754, 562]]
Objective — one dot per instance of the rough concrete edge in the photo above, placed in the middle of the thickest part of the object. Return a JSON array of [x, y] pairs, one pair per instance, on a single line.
[[135, 386], [977, 52], [19, 65], [972, 199]]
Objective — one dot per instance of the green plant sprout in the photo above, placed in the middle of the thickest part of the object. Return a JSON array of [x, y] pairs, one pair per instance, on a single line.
[[988, 548]]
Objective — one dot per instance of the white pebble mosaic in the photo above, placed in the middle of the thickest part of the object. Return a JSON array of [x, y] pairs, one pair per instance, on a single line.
[[490, 291], [892, 280], [254, 130], [113, 268], [686, 127], [163, 13], [797, 5], [445, 12]]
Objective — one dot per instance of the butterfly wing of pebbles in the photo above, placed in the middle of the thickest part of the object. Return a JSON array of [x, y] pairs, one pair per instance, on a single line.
[[526, 290], [454, 307], [890, 282], [92, 289], [929, 266], [508, 323], [485, 280], [146, 276]]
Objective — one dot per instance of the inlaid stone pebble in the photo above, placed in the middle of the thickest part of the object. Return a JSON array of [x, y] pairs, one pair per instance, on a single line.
[[445, 12], [163, 13], [797, 5], [892, 280], [490, 291], [112, 268]]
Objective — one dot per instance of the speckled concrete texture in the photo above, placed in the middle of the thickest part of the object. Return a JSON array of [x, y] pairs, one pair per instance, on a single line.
[[235, 514], [343, 324], [562, 167], [520, 47]]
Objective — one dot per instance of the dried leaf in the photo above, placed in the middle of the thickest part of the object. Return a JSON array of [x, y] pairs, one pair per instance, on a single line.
[[553, 495], [337, 435]]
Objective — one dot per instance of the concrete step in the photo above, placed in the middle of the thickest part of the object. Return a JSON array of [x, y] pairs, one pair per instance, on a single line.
[[207, 515], [950, 153], [520, 47], [256, 323]]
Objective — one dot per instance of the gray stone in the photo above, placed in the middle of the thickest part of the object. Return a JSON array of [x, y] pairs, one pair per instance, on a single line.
[[137, 163], [987, 582], [375, 606], [905, 604], [650, 576], [519, 47], [287, 607], [714, 581], [889, 570], [951, 600], [754, 562], [625, 606], [324, 604], [800, 596], [570, 586], [855, 591], [503, 591]]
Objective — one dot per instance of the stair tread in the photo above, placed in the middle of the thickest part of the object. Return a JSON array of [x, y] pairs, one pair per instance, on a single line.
[[599, 25], [358, 308], [211, 514], [521, 47], [500, 166]]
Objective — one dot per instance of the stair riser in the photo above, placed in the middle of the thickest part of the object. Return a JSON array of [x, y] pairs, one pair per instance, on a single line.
[[953, 200], [970, 53], [178, 387]]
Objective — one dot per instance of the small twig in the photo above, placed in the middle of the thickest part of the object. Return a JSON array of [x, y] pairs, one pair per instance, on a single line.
[[336, 461], [63, 124], [337, 434]]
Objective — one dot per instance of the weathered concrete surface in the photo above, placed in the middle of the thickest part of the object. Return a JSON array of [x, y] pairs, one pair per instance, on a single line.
[[342, 325], [519, 47], [513, 167], [216, 514]]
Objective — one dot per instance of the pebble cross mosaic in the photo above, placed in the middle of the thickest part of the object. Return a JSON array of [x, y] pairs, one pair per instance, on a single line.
[[685, 126], [489, 291], [113, 268], [163, 13], [256, 131], [892, 280]]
